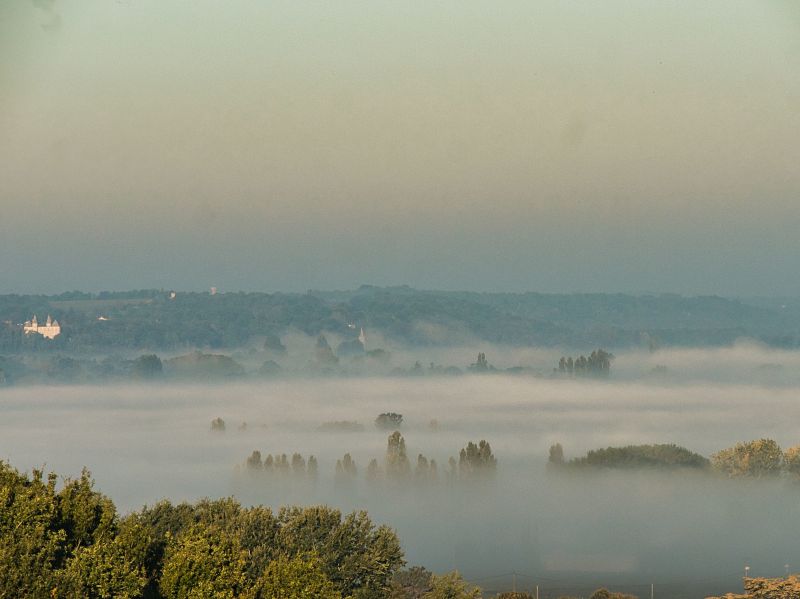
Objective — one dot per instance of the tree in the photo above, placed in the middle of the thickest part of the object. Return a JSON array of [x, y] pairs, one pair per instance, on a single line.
[[373, 471], [203, 562], [147, 367], [294, 578], [312, 470], [791, 461], [556, 457], [85, 515], [358, 557], [101, 571], [476, 461], [218, 425], [389, 421], [298, 465], [758, 458], [451, 586], [254, 461], [411, 583], [480, 365], [641, 456], [323, 352], [29, 541], [397, 464], [598, 364]]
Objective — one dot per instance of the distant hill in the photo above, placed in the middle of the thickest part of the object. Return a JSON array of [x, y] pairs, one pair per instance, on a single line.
[[152, 319]]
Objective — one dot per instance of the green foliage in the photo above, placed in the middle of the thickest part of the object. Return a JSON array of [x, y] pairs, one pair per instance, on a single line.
[[358, 557], [149, 319], [70, 544], [84, 514], [791, 461], [294, 578], [203, 563], [411, 583], [30, 539], [102, 571], [451, 586], [642, 456], [758, 458]]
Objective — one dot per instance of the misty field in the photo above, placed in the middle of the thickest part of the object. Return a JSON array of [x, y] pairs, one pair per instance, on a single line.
[[144, 443]]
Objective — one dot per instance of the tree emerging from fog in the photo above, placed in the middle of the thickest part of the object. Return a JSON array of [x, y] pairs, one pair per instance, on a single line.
[[759, 458]]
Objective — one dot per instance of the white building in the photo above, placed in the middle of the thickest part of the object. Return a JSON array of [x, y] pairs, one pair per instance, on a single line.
[[51, 329]]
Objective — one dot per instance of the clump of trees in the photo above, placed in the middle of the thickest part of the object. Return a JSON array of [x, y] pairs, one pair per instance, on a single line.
[[758, 458], [598, 364], [389, 421], [72, 543], [280, 465], [218, 425], [632, 456], [480, 364], [426, 470], [346, 469], [476, 461], [768, 588]]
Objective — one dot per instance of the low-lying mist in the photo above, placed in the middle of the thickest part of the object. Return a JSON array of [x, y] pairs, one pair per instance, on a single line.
[[147, 442]]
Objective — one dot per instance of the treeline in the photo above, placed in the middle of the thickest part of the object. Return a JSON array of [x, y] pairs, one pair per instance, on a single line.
[[631, 456], [759, 458], [62, 367], [475, 462], [71, 542], [155, 320], [280, 465], [598, 364]]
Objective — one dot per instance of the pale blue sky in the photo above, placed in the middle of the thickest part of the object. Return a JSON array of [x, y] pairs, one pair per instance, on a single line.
[[551, 146]]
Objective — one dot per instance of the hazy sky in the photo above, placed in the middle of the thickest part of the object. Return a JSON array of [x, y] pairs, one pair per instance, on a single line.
[[552, 146]]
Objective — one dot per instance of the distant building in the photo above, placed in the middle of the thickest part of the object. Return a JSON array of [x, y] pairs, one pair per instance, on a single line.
[[51, 329]]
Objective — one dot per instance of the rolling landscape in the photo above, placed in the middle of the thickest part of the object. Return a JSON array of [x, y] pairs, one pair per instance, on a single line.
[[399, 300]]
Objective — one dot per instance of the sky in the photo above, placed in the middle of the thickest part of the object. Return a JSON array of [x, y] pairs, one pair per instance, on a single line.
[[616, 146]]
